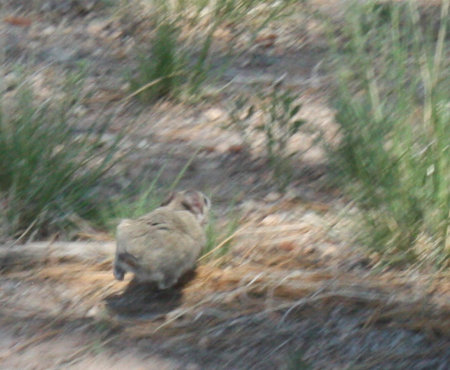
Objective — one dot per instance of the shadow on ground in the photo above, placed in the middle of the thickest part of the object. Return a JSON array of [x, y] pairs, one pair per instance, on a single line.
[[145, 301]]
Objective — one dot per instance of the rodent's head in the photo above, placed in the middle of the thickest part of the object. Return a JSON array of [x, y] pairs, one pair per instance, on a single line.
[[190, 200]]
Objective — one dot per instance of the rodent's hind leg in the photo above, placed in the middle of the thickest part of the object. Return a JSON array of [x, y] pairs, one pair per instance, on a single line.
[[119, 272]]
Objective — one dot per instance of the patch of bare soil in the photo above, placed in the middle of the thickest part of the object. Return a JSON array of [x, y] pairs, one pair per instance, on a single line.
[[291, 294]]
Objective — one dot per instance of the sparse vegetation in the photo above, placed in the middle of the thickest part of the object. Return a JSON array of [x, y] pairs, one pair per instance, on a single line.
[[138, 198], [178, 64], [393, 112], [160, 72], [283, 282], [133, 202], [49, 174], [219, 237], [278, 123]]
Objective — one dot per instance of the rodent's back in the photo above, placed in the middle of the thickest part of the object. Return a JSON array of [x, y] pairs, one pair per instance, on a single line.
[[163, 239]]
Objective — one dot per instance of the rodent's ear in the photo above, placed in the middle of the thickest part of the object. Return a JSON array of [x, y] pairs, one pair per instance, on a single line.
[[169, 198], [206, 200], [193, 202], [188, 206]]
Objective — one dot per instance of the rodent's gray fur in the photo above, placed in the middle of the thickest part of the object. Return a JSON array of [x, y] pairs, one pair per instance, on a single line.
[[162, 245]]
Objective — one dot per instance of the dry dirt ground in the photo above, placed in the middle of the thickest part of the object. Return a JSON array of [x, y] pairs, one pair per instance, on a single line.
[[291, 294]]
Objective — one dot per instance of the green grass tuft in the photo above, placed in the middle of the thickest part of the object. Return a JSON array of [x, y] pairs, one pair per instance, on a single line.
[[50, 175], [393, 113], [160, 72], [219, 237]]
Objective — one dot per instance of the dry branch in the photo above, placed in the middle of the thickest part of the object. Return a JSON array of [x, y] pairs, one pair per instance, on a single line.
[[20, 257]]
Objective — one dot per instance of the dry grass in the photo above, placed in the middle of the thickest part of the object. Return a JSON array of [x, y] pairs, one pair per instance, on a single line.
[[226, 309], [394, 296]]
